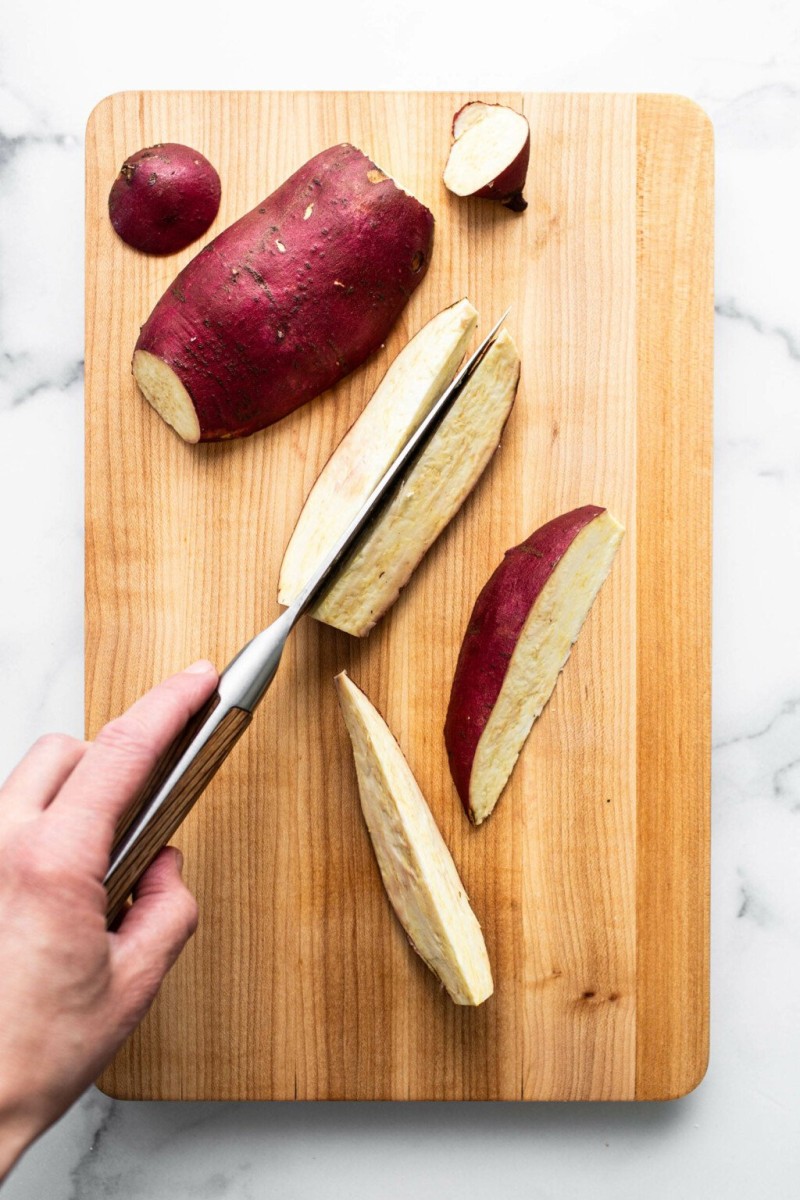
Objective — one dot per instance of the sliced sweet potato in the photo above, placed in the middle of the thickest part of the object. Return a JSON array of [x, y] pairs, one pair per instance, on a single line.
[[428, 498], [490, 154], [518, 640], [419, 374], [417, 868], [164, 198]]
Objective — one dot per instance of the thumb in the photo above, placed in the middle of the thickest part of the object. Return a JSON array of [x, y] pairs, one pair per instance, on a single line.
[[154, 930]]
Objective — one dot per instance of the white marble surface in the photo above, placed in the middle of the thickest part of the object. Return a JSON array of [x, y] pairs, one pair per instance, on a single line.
[[738, 1135]]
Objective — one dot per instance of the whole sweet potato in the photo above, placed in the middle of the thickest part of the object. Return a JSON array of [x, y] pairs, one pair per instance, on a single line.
[[285, 302]]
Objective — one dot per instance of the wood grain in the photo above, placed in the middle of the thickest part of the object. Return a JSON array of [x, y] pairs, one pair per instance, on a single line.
[[590, 880], [675, 302]]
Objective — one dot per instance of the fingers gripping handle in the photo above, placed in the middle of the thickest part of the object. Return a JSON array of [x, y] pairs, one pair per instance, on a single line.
[[205, 744]]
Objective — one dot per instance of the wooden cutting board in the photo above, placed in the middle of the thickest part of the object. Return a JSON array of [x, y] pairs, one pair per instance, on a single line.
[[591, 878]]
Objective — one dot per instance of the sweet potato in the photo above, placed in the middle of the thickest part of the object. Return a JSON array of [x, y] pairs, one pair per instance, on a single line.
[[419, 374], [416, 866], [164, 198], [285, 302], [489, 155], [518, 640], [436, 486]]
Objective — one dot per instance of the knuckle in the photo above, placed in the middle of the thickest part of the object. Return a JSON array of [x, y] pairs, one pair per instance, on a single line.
[[142, 990], [25, 859], [185, 915], [127, 737], [191, 914], [56, 743], [38, 867], [175, 692]]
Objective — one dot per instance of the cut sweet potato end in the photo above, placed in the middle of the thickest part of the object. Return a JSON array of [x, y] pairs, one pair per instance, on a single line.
[[544, 645], [163, 389], [488, 138]]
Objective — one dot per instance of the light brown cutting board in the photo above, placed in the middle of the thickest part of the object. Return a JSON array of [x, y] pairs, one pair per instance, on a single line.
[[591, 878]]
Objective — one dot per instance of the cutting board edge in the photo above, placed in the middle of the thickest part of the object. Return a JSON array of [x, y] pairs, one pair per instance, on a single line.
[[673, 1053]]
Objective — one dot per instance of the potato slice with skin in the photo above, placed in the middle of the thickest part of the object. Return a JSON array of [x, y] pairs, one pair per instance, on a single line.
[[164, 198], [416, 866], [417, 377], [490, 154], [430, 496], [518, 640]]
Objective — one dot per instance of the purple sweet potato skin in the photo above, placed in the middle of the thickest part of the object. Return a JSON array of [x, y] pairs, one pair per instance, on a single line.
[[294, 295], [164, 198], [506, 189], [492, 633]]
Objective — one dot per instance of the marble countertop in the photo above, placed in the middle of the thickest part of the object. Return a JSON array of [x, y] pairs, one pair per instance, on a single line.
[[738, 1135]]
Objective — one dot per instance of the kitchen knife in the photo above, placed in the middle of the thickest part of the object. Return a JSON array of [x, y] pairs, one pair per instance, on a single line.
[[201, 748]]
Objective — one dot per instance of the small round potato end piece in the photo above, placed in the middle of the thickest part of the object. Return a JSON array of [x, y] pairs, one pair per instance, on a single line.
[[164, 198]]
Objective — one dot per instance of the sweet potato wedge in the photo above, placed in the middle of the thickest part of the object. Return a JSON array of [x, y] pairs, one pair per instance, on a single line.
[[428, 498], [417, 869], [490, 154], [419, 373], [286, 301], [518, 640]]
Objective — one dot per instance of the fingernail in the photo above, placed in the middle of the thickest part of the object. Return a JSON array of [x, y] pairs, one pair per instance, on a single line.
[[201, 667], [179, 860]]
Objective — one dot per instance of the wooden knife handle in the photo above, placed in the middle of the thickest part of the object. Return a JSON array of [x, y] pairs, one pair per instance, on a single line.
[[186, 790]]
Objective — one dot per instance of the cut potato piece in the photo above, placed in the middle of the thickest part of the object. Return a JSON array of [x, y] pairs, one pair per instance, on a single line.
[[489, 155], [430, 496], [164, 198], [416, 378], [286, 301], [417, 869], [518, 639]]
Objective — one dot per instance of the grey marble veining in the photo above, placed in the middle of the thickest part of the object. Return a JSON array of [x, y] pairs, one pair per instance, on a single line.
[[738, 1136], [728, 307]]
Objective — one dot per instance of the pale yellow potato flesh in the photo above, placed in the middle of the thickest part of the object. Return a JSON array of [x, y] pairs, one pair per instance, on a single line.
[[417, 377], [488, 139], [417, 868], [165, 392], [430, 496], [544, 645]]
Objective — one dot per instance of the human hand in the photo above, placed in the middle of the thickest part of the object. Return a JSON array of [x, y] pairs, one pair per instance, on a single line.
[[71, 991]]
